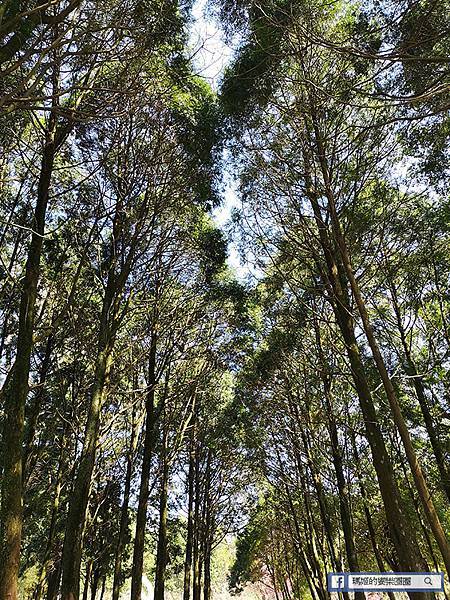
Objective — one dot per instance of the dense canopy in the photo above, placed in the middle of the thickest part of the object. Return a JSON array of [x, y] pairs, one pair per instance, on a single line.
[[198, 410]]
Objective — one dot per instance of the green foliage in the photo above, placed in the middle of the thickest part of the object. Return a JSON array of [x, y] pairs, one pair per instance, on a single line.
[[334, 118], [246, 567], [212, 247], [252, 76]]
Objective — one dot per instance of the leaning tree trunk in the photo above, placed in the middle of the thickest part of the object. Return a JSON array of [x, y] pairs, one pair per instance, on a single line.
[[419, 387], [196, 577], [53, 521], [86, 580], [364, 496], [321, 499], [72, 549], [161, 555], [310, 536], [190, 523], [416, 470], [124, 512], [109, 322], [314, 587], [401, 533], [402, 536], [32, 415], [15, 389], [336, 453], [207, 533], [149, 444]]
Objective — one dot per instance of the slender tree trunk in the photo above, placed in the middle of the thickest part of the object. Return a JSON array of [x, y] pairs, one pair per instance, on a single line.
[[196, 587], [416, 505], [411, 370], [344, 504], [102, 593], [32, 417], [207, 532], [200, 569], [86, 580], [370, 527], [401, 533], [403, 538], [149, 444], [53, 582], [190, 523], [124, 512], [323, 507], [72, 549], [310, 529], [95, 582], [15, 390], [416, 470], [52, 528], [207, 573], [310, 568], [6, 317], [309, 537], [161, 555], [271, 569]]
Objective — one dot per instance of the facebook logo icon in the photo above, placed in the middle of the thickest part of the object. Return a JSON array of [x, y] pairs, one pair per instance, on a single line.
[[336, 582]]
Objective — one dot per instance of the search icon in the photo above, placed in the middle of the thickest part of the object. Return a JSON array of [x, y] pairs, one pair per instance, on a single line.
[[427, 580]]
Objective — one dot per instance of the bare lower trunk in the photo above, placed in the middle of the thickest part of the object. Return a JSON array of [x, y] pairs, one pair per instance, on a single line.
[[161, 555], [401, 533], [207, 532], [124, 515], [149, 444], [15, 390], [419, 387], [323, 508], [52, 528], [344, 504], [196, 581], [370, 527], [207, 570], [87, 580], [95, 582], [53, 582], [102, 593], [310, 567], [190, 523], [416, 470], [72, 549]]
